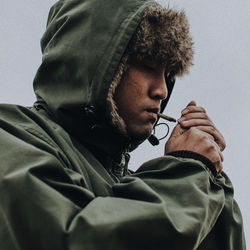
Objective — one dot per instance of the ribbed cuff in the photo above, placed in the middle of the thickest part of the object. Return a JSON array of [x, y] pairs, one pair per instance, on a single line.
[[195, 156]]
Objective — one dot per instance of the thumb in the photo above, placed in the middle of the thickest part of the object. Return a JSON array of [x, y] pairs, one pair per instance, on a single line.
[[177, 131]]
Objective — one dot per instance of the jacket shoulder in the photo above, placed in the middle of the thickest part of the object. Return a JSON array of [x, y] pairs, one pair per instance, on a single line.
[[32, 132], [18, 120]]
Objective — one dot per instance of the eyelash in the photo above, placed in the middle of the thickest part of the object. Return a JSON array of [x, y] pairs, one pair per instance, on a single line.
[[147, 67], [150, 68]]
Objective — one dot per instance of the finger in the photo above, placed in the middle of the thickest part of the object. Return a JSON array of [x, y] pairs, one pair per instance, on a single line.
[[219, 151], [192, 103], [215, 155], [192, 109], [218, 163], [195, 123], [218, 167], [208, 135], [219, 139], [221, 156], [208, 127], [197, 115]]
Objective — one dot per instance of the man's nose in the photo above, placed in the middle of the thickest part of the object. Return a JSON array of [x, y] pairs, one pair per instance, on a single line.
[[159, 88]]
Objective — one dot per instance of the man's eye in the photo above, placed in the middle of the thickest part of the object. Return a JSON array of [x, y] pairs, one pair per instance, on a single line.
[[148, 67]]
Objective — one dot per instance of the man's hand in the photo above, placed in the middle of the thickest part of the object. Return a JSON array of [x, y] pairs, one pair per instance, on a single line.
[[196, 141], [197, 133], [193, 116]]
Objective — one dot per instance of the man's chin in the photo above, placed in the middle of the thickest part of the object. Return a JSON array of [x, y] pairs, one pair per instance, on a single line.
[[140, 135]]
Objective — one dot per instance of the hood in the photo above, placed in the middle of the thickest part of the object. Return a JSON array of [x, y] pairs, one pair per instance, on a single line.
[[82, 47]]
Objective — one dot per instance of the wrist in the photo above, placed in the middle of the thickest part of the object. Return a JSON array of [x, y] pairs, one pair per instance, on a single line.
[[195, 156]]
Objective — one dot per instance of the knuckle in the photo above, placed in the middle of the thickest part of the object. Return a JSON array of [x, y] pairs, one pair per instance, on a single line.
[[222, 145], [204, 137], [193, 130], [205, 116], [186, 110], [203, 110], [222, 158], [211, 123], [211, 146], [212, 129], [217, 159], [218, 167]]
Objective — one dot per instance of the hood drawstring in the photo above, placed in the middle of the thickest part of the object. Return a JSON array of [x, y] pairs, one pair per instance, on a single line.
[[153, 139]]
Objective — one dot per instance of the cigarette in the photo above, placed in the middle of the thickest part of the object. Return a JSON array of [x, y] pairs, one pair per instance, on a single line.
[[166, 117]]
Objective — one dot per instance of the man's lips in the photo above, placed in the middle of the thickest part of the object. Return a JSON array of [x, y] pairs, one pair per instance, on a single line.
[[152, 113], [153, 110]]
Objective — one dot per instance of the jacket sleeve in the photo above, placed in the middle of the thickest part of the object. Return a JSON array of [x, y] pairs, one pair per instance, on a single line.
[[228, 231], [169, 203]]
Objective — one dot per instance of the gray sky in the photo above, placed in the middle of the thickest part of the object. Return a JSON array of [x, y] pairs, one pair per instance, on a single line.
[[219, 80]]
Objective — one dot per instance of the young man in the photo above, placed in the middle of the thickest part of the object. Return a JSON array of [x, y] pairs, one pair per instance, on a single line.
[[108, 68]]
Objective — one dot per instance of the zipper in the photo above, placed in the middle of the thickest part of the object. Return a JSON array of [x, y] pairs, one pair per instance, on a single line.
[[118, 170]]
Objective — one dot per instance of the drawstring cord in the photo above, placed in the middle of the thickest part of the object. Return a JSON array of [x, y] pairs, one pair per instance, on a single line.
[[159, 124], [153, 139]]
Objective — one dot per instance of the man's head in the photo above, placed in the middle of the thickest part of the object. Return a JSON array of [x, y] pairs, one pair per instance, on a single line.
[[160, 47], [138, 96]]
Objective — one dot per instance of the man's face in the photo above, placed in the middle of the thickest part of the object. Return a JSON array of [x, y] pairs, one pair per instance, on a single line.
[[139, 95]]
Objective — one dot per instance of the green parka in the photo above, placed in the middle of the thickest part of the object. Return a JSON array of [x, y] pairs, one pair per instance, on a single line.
[[57, 186]]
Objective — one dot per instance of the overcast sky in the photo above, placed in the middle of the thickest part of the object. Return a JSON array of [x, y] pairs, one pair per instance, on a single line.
[[219, 80]]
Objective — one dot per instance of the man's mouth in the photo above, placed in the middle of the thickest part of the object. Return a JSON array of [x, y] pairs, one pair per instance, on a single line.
[[153, 110], [153, 113]]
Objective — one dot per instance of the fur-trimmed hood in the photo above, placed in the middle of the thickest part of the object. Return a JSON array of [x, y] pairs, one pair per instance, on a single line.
[[85, 48]]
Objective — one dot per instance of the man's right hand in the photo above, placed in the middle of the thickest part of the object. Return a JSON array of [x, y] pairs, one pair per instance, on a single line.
[[196, 141]]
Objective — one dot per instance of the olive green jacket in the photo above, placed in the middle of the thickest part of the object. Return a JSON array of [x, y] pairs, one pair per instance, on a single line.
[[56, 193]]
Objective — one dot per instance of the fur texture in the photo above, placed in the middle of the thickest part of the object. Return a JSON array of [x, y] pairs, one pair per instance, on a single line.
[[116, 120], [163, 37]]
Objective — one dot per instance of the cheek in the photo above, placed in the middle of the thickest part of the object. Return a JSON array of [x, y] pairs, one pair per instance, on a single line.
[[137, 90], [128, 93], [134, 97]]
